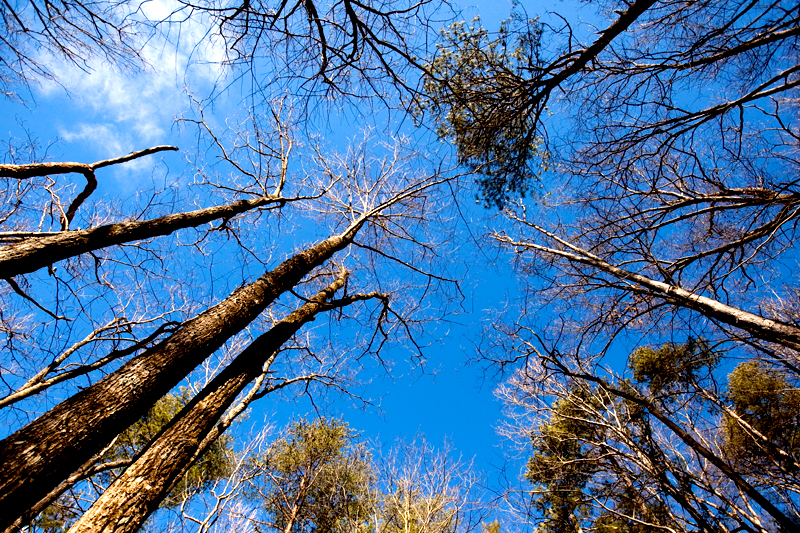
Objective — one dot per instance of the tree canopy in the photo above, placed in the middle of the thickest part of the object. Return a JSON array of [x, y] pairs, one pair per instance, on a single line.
[[661, 230], [637, 163], [315, 480]]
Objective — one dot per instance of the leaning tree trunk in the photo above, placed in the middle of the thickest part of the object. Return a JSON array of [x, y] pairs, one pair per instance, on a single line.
[[127, 503], [92, 467], [765, 329], [45, 452], [36, 252]]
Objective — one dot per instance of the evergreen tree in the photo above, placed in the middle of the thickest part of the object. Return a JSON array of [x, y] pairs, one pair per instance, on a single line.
[[316, 479]]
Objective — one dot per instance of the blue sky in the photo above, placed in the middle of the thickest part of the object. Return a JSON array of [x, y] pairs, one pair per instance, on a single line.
[[445, 393], [105, 113]]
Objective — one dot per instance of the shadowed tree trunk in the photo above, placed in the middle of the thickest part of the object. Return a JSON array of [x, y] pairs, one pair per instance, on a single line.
[[37, 252], [92, 467]]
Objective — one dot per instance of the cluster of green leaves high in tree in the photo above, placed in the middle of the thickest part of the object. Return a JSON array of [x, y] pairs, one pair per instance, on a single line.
[[321, 478], [317, 479]]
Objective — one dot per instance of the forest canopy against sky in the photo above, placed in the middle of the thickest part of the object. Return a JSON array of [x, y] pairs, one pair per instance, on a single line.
[[217, 213]]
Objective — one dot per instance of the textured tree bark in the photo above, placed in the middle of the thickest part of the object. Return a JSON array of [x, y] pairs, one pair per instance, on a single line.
[[127, 503], [763, 328], [38, 252], [87, 470], [45, 452]]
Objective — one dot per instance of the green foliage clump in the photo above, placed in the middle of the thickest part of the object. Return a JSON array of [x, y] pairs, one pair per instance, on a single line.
[[632, 503], [316, 479], [764, 399], [562, 463], [491, 527], [671, 367], [573, 466], [478, 90]]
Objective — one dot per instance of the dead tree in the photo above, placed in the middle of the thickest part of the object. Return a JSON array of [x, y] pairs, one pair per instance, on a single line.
[[163, 462]]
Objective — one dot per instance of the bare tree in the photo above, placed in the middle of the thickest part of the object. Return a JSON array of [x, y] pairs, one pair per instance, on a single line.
[[130, 324], [72, 31], [626, 88], [103, 312], [640, 451], [423, 490], [346, 49], [664, 151], [127, 393], [380, 195]]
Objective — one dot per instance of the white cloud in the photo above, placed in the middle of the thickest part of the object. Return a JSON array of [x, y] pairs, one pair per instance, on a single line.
[[142, 104], [104, 137], [107, 140]]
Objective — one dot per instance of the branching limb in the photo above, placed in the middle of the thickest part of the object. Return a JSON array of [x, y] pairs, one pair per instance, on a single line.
[[32, 170]]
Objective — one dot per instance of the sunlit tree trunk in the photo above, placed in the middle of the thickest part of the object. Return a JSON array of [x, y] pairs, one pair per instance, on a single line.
[[763, 328], [125, 505], [42, 454]]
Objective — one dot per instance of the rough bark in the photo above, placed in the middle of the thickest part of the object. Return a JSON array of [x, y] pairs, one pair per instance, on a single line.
[[762, 328], [127, 503], [42, 454], [38, 252], [89, 469]]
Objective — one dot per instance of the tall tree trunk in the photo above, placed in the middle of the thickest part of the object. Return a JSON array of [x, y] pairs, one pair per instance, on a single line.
[[92, 467], [45, 452], [37, 252], [127, 503], [768, 330]]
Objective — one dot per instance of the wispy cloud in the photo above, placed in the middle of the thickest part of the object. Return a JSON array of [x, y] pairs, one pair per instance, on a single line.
[[137, 109], [104, 137]]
